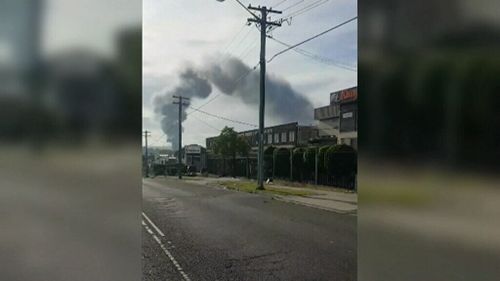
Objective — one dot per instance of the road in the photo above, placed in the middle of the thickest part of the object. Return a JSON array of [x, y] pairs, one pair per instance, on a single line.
[[216, 234]]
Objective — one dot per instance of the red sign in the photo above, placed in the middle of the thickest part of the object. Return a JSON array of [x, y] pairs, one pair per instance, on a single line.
[[349, 95], [344, 95]]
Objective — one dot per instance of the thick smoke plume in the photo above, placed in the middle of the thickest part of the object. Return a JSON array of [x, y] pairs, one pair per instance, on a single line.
[[283, 103]]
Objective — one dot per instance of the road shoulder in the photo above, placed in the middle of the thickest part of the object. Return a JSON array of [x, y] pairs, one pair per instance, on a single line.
[[324, 198]]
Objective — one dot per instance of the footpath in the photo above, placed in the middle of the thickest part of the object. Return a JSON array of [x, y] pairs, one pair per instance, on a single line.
[[320, 197]]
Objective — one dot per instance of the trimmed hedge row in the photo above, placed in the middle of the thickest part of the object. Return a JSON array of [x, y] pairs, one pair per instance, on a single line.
[[337, 165]]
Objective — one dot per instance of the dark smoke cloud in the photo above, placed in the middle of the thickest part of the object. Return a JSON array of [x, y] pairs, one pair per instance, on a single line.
[[191, 85], [283, 103]]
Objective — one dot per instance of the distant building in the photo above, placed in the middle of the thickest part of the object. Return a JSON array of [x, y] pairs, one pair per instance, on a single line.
[[164, 159], [285, 135], [195, 156], [339, 119]]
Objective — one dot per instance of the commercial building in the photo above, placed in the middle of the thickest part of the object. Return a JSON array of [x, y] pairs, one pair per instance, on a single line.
[[339, 119], [284, 135], [195, 156]]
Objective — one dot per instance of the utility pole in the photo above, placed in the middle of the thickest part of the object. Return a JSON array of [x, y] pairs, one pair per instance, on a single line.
[[146, 135], [263, 23], [180, 102]]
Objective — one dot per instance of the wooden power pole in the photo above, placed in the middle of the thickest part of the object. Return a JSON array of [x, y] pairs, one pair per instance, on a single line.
[[179, 101], [146, 134], [263, 23]]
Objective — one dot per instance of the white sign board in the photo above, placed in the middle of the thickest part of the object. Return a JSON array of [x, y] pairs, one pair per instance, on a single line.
[[194, 149], [347, 115]]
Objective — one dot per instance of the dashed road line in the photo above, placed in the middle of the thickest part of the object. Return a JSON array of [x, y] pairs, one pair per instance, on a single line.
[[153, 225], [165, 250]]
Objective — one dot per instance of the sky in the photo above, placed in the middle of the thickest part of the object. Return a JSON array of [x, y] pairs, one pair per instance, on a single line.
[[89, 24], [177, 34]]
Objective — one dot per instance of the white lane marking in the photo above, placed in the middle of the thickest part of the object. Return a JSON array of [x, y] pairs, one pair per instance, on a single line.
[[153, 225], [167, 252], [147, 228]]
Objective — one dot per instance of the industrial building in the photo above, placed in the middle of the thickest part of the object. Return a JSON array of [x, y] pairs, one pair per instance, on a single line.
[[284, 135], [339, 119], [287, 136]]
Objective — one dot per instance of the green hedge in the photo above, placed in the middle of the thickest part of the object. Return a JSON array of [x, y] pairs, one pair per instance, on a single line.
[[282, 163], [298, 164], [340, 160]]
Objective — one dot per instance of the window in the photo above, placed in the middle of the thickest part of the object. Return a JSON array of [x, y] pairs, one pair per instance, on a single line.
[[291, 136], [283, 137], [276, 138], [348, 118], [269, 138]]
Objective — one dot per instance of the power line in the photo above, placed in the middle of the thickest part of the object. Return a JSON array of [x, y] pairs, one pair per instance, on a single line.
[[243, 39], [311, 38], [225, 118], [307, 8], [245, 7], [206, 123], [293, 5], [250, 47], [304, 9], [315, 57], [234, 38], [279, 3]]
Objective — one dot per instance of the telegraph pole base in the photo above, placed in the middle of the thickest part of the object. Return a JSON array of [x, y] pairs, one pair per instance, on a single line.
[[260, 187]]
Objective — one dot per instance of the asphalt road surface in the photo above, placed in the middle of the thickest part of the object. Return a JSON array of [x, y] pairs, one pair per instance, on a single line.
[[195, 232]]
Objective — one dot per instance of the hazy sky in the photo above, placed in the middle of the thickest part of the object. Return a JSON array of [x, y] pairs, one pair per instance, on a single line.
[[89, 24], [178, 33]]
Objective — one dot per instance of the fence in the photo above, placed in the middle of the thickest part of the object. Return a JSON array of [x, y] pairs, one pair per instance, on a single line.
[[279, 164]]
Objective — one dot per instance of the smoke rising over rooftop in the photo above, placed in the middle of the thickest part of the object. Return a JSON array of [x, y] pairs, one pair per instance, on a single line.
[[230, 77]]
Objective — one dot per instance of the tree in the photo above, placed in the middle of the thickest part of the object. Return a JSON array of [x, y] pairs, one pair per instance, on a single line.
[[229, 144]]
